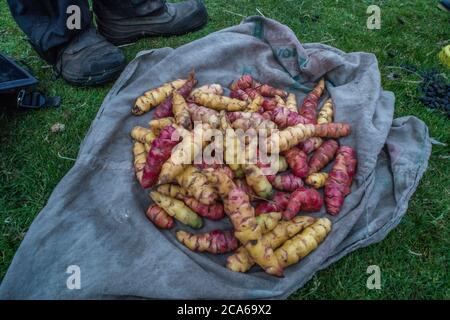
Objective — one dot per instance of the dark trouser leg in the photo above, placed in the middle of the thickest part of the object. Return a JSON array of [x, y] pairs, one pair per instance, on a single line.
[[127, 8], [45, 23]]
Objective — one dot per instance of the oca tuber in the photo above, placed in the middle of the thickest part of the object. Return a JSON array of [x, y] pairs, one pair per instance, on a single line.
[[177, 209], [241, 261], [326, 113], [154, 97], [322, 156], [304, 243], [340, 178], [298, 162], [303, 199], [159, 217], [180, 111], [309, 105], [215, 242], [160, 151], [317, 180]]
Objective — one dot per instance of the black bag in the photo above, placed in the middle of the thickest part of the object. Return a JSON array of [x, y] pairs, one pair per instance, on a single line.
[[17, 87]]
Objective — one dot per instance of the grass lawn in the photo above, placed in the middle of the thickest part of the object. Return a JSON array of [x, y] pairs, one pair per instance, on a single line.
[[414, 258]]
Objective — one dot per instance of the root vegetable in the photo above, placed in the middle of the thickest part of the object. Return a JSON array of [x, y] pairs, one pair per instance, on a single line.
[[280, 101], [183, 154], [298, 162], [266, 207], [180, 111], [269, 104], [304, 243], [160, 151], [140, 159], [213, 211], [165, 108], [218, 102], [310, 144], [242, 215], [159, 217], [326, 113], [154, 97], [278, 203], [255, 104], [291, 136], [221, 180], [257, 181], [283, 118], [309, 105], [282, 164], [332, 130], [322, 156], [241, 183], [261, 252], [156, 125], [177, 209], [205, 115], [339, 181], [286, 182], [233, 116], [291, 102], [269, 91], [350, 160], [268, 221], [209, 88], [257, 122], [303, 199], [173, 191], [241, 261], [215, 242], [196, 184], [317, 180], [239, 94], [234, 149], [143, 135], [244, 82]]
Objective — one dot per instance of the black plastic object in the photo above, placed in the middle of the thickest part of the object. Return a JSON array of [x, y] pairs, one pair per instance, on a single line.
[[13, 77], [17, 87]]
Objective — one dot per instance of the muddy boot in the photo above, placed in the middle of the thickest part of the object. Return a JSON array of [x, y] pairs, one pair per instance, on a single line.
[[89, 60], [172, 19]]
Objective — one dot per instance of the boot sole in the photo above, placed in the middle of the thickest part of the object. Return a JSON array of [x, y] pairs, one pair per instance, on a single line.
[[94, 80], [119, 35]]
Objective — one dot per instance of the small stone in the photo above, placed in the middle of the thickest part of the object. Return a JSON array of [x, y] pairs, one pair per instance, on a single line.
[[58, 127]]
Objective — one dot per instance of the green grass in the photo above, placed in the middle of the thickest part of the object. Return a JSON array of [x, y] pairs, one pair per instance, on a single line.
[[414, 258]]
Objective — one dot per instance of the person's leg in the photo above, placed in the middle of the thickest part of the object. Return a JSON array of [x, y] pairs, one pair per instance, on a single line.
[[44, 23], [127, 8], [125, 21], [81, 55]]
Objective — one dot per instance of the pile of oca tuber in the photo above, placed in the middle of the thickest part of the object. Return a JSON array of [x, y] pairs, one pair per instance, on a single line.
[[198, 166]]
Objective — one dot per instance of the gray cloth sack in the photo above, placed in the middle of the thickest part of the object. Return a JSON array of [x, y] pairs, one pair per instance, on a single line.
[[95, 218]]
